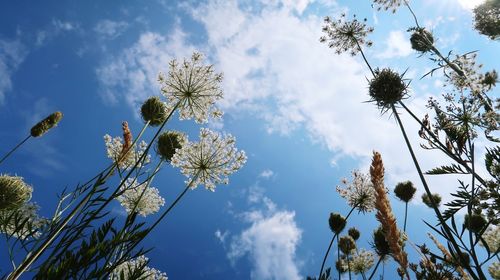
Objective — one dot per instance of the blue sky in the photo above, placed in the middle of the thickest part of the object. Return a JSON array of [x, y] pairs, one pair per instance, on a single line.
[[295, 107]]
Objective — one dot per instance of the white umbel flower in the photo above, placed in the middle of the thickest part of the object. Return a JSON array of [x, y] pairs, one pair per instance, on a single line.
[[359, 193], [492, 238], [114, 150], [209, 161], [131, 269], [22, 222], [149, 203], [392, 5], [194, 86], [361, 261]]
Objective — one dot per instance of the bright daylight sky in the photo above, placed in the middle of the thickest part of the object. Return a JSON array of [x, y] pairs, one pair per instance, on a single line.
[[295, 107]]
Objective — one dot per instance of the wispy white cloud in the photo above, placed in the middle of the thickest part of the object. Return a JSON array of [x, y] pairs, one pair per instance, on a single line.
[[268, 173], [12, 54], [396, 45], [110, 29], [55, 28]]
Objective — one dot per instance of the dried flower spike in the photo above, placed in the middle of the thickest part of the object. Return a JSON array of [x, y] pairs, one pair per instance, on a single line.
[[154, 111], [405, 191], [14, 192], [46, 124], [337, 222], [168, 143], [386, 88], [346, 36]]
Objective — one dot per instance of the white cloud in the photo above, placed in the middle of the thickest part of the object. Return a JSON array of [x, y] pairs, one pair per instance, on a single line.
[[110, 29], [12, 54], [54, 29], [396, 45], [469, 4], [221, 236], [270, 242], [266, 174]]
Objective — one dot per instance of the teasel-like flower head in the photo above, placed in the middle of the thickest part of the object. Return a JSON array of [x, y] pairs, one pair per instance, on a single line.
[[387, 88], [346, 36], [46, 124], [405, 191], [427, 200], [169, 142], [487, 19], [474, 222], [193, 88], [421, 40], [392, 5], [154, 111], [447, 256], [347, 244], [337, 222], [14, 192], [384, 212], [358, 193], [209, 161], [354, 233]]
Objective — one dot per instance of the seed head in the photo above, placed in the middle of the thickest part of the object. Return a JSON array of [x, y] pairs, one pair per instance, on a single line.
[[46, 124], [154, 111], [14, 192], [427, 200], [405, 191], [387, 88], [380, 244], [337, 222], [421, 40], [168, 143], [354, 233], [474, 222], [347, 244]]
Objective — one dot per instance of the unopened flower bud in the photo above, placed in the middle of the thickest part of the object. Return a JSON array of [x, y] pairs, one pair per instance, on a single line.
[[427, 200], [474, 222], [168, 143], [14, 192], [421, 40], [346, 244], [405, 191], [380, 243], [337, 222], [154, 111], [46, 124], [354, 233]]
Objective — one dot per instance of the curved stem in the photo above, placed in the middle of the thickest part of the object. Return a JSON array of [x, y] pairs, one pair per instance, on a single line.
[[412, 13], [447, 234], [376, 267], [15, 148], [406, 216], [331, 243]]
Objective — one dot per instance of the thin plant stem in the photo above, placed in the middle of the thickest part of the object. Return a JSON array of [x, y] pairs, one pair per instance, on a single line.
[[406, 216], [364, 57], [15, 148], [348, 266], [412, 13], [447, 233], [330, 246], [376, 267], [338, 255]]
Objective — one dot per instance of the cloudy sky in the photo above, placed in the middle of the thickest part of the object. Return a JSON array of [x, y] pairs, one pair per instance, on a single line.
[[296, 108]]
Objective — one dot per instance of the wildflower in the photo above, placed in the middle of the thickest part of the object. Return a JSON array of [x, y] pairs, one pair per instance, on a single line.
[[209, 161], [359, 193], [14, 192], [337, 222], [22, 222], [474, 222], [405, 191], [354, 233], [380, 244], [361, 261], [192, 88], [346, 36], [388, 4], [137, 269], [494, 270], [448, 256], [46, 124], [154, 111], [492, 238], [121, 151], [386, 88], [421, 40], [341, 265], [347, 244], [427, 200], [487, 19], [490, 79], [384, 212], [168, 143], [145, 200]]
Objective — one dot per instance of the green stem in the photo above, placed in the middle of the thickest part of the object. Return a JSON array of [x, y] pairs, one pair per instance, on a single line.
[[447, 234], [348, 266], [15, 148], [406, 216], [364, 57]]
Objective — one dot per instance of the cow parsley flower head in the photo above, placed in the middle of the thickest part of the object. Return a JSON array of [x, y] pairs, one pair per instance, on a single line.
[[359, 193], [346, 36], [492, 238], [145, 200], [361, 261], [132, 268], [209, 161], [22, 222], [193, 88], [14, 192], [393, 5], [121, 152]]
